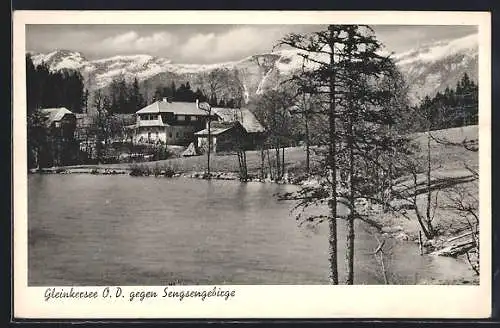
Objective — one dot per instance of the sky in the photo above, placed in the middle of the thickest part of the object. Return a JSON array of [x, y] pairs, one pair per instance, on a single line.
[[205, 44]]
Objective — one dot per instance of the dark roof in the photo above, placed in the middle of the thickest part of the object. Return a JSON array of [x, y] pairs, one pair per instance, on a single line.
[[217, 128], [83, 120], [178, 108], [243, 115], [213, 132]]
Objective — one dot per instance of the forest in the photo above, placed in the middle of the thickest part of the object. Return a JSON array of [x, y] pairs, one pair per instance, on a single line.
[[47, 89], [453, 107]]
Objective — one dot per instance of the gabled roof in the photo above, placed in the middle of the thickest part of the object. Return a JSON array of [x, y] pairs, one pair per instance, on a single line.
[[178, 108], [213, 132], [217, 128], [55, 114], [243, 115]]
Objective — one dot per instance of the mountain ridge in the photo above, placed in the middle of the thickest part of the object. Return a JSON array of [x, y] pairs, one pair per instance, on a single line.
[[428, 68]]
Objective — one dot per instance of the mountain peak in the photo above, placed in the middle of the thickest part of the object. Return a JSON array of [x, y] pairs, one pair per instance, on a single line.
[[428, 68], [60, 59], [438, 50]]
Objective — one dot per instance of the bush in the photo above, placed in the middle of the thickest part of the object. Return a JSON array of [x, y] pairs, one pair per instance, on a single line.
[[139, 170], [165, 171], [169, 172], [157, 170]]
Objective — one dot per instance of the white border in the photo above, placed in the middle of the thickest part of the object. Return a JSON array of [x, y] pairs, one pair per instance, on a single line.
[[259, 301]]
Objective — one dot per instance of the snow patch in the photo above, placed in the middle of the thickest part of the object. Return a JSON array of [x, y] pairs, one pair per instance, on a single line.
[[439, 50]]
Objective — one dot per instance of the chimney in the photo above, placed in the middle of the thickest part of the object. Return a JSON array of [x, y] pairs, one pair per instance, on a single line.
[[197, 103]]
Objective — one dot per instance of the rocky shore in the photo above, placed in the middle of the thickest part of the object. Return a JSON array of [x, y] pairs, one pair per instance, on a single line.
[[162, 172]]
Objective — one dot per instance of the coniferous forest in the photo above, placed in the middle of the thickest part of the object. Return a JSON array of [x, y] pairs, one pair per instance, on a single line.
[[454, 107], [46, 89]]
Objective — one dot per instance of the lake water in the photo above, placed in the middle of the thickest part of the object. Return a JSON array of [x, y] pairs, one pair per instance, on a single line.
[[121, 230]]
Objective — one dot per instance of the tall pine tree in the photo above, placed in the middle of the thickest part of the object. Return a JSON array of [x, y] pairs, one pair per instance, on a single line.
[[344, 66]]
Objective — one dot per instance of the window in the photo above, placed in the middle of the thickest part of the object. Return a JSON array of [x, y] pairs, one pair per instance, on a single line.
[[170, 134], [177, 134], [181, 117], [57, 124], [149, 117], [194, 118]]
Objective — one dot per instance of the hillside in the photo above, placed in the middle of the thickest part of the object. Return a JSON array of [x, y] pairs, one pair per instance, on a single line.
[[428, 68]]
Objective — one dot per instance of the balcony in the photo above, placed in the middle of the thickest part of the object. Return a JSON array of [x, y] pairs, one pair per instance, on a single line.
[[150, 123]]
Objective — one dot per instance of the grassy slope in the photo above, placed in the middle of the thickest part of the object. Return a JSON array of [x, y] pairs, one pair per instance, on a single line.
[[294, 157], [444, 158], [447, 161]]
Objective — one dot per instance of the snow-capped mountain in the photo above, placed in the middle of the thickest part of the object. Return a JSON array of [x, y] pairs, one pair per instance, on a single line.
[[433, 67], [428, 68], [61, 59]]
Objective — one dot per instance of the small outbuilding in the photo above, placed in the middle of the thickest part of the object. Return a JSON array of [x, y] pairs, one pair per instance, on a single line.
[[61, 147], [253, 128], [225, 136]]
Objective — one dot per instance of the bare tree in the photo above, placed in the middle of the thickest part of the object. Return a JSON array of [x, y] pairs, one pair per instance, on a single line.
[[101, 123], [273, 111], [305, 108], [464, 201]]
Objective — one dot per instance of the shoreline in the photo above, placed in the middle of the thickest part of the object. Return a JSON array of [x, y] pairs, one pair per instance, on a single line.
[[393, 229], [163, 173]]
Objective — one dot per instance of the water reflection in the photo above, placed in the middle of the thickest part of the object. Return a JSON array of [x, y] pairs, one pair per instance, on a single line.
[[96, 230]]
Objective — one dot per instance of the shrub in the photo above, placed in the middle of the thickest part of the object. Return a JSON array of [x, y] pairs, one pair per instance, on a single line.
[[169, 172], [139, 170], [157, 170]]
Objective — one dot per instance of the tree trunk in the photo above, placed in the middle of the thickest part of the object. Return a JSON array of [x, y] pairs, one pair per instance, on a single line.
[[242, 160], [282, 161], [269, 164], [209, 147], [239, 162], [278, 166], [350, 176], [36, 158], [420, 219], [429, 192], [332, 171], [262, 163], [245, 170], [352, 212], [387, 197], [307, 144]]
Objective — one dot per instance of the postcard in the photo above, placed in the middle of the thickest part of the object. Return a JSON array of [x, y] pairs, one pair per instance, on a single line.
[[247, 164]]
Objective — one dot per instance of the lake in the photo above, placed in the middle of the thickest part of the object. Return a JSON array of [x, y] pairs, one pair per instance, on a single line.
[[122, 230]]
